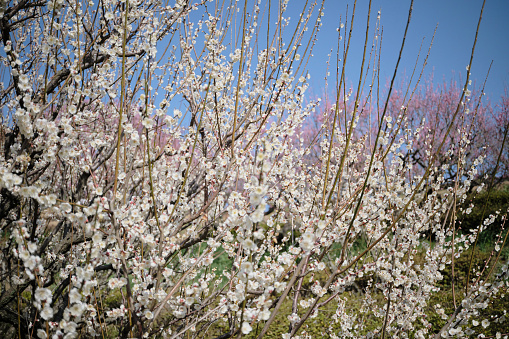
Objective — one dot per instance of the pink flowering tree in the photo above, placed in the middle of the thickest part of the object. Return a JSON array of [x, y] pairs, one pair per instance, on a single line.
[[500, 141], [430, 109], [144, 142]]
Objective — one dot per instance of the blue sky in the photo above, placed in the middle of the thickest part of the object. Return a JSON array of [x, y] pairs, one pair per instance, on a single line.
[[457, 22]]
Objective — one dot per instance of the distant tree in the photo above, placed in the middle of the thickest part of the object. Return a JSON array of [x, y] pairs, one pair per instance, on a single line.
[[431, 109]]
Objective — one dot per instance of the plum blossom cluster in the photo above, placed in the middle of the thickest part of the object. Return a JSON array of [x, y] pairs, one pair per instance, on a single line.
[[157, 180]]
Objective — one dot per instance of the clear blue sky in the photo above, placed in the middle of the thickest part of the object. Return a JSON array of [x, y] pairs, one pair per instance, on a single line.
[[457, 22]]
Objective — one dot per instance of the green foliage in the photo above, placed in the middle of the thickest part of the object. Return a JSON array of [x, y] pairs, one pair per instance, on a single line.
[[113, 299], [445, 297], [486, 204], [221, 262], [322, 324], [319, 326]]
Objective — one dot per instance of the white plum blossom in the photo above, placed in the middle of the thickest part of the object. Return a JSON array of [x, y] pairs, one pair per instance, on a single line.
[[116, 283], [47, 312], [246, 267], [41, 334], [43, 294], [307, 241], [165, 173], [77, 309], [246, 328]]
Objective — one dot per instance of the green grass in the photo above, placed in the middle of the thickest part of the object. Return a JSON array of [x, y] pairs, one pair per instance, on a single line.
[[323, 323], [320, 326], [485, 205]]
